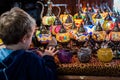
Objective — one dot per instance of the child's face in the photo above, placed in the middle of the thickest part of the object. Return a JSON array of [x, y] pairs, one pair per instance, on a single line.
[[27, 40]]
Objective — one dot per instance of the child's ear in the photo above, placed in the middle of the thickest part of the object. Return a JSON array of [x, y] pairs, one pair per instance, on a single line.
[[23, 40]]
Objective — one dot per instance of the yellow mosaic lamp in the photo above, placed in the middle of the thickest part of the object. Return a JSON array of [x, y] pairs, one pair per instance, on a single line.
[[78, 18], [43, 35], [68, 22], [108, 24], [63, 35], [66, 19], [1, 42], [64, 16], [49, 18], [105, 54]]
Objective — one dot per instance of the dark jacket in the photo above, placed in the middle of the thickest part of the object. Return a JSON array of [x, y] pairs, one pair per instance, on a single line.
[[25, 65]]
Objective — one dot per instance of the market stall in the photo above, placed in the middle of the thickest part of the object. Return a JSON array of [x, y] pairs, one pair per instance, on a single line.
[[88, 39]]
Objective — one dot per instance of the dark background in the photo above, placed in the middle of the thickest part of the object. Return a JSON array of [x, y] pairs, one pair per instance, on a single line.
[[6, 5]]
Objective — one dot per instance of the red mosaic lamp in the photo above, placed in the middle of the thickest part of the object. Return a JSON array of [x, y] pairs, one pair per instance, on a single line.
[[115, 33], [56, 26]]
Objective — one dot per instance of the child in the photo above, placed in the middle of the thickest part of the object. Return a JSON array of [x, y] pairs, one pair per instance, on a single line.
[[16, 62]]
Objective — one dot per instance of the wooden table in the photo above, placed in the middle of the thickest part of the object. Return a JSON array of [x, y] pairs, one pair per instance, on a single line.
[[93, 68]]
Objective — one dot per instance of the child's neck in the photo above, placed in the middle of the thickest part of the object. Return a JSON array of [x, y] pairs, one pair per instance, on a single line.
[[14, 47]]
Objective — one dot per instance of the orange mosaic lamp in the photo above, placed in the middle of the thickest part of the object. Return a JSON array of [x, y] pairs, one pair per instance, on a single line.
[[56, 26], [115, 33], [43, 35], [63, 35]]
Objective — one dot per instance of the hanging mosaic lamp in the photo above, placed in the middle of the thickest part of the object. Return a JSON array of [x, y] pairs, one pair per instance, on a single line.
[[97, 18], [63, 35], [68, 23], [73, 30], [81, 35], [99, 34], [43, 35], [56, 26], [108, 23], [66, 18], [78, 17], [115, 33], [88, 24], [49, 18]]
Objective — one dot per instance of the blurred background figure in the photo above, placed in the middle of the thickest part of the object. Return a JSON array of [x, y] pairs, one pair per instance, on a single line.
[[30, 6]]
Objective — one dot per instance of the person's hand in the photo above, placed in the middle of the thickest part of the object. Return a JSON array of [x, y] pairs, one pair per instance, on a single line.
[[49, 51]]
